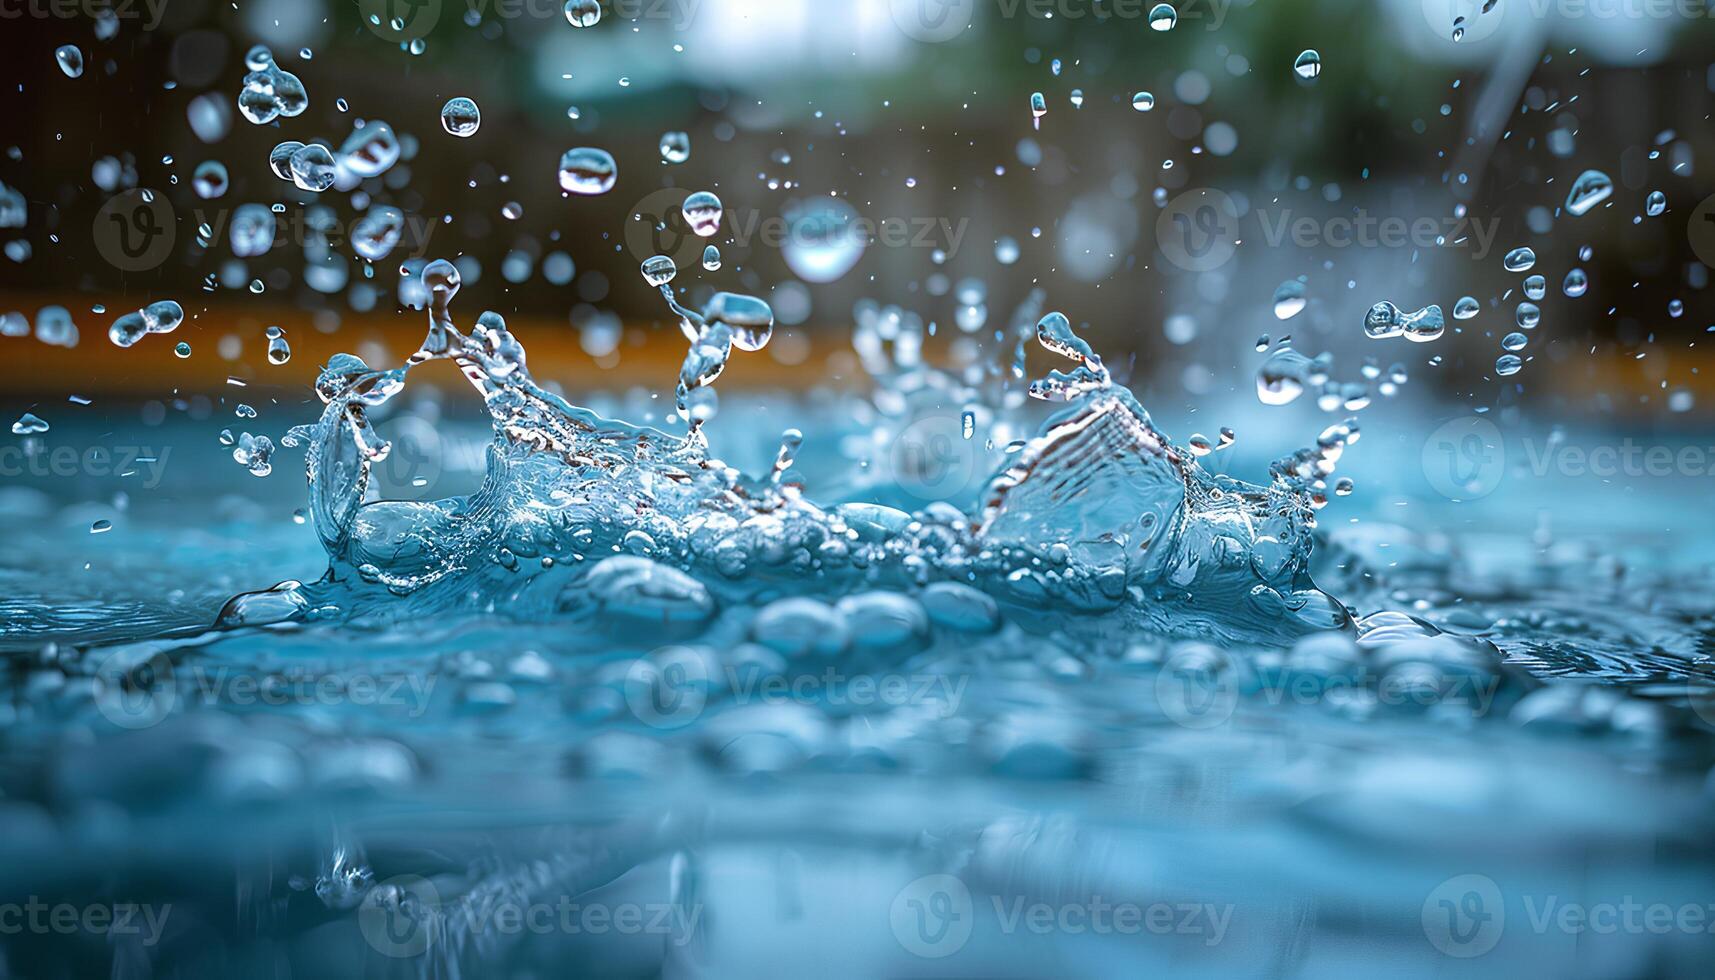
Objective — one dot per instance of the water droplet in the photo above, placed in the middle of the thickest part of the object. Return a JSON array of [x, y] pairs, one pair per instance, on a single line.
[[1514, 341], [1535, 287], [1520, 259], [313, 168], [659, 270], [1528, 315], [1590, 189], [1038, 105], [587, 170], [712, 259], [210, 180], [29, 424], [1576, 283], [1508, 364], [1006, 250], [583, 13], [182, 348], [1143, 101], [70, 58], [1466, 308], [1077, 98], [703, 213], [675, 147], [461, 117], [279, 351], [1162, 17], [1308, 66], [1655, 204], [1289, 299]]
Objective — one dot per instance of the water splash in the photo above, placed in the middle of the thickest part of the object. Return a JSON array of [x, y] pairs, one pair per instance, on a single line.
[[1098, 514]]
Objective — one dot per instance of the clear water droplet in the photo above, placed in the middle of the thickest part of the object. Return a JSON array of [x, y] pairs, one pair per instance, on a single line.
[[583, 13], [1143, 101], [460, 117], [1162, 17], [1590, 189], [1576, 283], [70, 58], [703, 213], [1308, 65], [1508, 364], [1466, 308], [675, 147], [587, 170], [1520, 259]]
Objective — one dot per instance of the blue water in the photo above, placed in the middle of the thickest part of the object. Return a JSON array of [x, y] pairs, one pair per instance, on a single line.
[[954, 745]]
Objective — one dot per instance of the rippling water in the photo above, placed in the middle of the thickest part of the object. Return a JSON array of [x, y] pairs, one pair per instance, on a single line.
[[562, 721]]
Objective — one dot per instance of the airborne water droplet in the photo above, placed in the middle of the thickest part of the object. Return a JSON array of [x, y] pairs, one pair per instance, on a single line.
[[70, 58], [1576, 283], [1520, 259], [703, 213], [675, 147], [1162, 17], [461, 117], [1590, 189], [1508, 364], [1466, 308], [587, 170], [712, 259], [1655, 204], [583, 13], [1289, 300], [1143, 101], [1308, 66], [1535, 287], [659, 270]]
